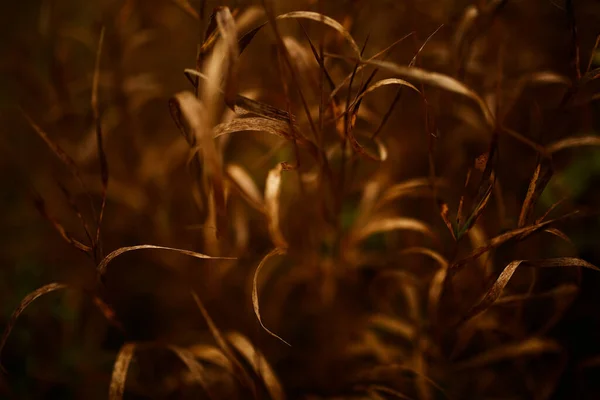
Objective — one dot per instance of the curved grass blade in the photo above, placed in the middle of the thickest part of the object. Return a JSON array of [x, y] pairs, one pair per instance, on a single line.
[[255, 303], [241, 373], [494, 292], [386, 224], [27, 300], [246, 186], [515, 234], [197, 371], [438, 80], [101, 269], [64, 158], [259, 364], [573, 142], [212, 355], [119, 374], [314, 16], [272, 192], [257, 124]]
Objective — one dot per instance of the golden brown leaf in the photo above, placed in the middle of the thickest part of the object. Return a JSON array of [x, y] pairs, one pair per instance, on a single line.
[[324, 20], [223, 344], [255, 303], [259, 364], [119, 374], [439, 80], [386, 224], [494, 292], [541, 177], [272, 192], [197, 371], [257, 124], [246, 186], [101, 269]]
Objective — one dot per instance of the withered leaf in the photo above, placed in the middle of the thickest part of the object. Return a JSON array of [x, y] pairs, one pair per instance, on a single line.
[[241, 373], [259, 364], [541, 177], [51, 287], [498, 286], [101, 269], [272, 192], [119, 374], [255, 303]]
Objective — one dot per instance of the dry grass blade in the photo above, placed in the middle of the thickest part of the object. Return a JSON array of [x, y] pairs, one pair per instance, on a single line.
[[530, 347], [436, 79], [242, 374], [196, 369], [496, 289], [255, 303], [24, 304], [272, 192], [62, 156], [560, 234], [537, 147], [56, 149], [187, 7], [228, 31], [264, 110], [393, 325], [175, 111], [398, 95], [541, 177], [566, 290], [386, 224], [434, 255], [413, 62], [200, 116], [119, 374], [257, 124], [40, 205], [573, 142], [445, 214], [466, 23], [240, 104], [385, 82], [247, 37], [324, 20], [520, 234], [211, 354], [101, 269], [76, 210], [107, 312], [99, 142], [259, 364], [348, 77], [246, 186]]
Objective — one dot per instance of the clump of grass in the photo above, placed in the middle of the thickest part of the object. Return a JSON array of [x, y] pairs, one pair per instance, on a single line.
[[365, 282]]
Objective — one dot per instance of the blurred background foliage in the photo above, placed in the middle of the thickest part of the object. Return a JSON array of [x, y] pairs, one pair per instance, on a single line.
[[63, 347]]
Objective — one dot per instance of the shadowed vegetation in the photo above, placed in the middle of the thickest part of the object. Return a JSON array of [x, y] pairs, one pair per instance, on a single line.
[[300, 200]]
